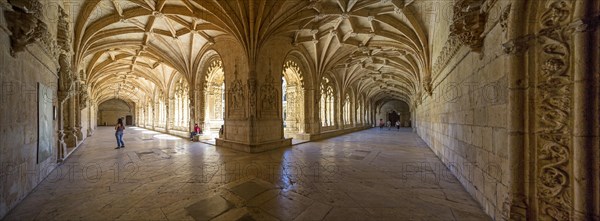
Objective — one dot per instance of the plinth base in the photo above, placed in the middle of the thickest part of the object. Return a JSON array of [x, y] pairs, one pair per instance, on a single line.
[[253, 148]]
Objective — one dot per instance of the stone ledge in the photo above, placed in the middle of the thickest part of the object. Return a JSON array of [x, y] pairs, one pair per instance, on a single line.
[[253, 148]]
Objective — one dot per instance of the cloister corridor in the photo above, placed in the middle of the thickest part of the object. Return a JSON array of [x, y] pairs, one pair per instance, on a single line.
[[368, 175], [271, 110]]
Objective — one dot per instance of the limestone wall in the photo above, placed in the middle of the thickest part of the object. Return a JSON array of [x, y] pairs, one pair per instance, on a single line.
[[19, 170], [464, 120], [110, 111], [399, 107]]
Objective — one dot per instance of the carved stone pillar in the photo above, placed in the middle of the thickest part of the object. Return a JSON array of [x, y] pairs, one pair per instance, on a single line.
[[586, 170], [200, 106], [169, 116], [62, 145], [77, 111], [253, 121], [312, 123], [192, 107], [91, 126], [71, 135], [291, 111]]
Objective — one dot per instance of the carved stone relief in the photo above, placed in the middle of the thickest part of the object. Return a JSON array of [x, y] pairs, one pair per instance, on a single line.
[[269, 105], [83, 97], [26, 27], [469, 23], [63, 33], [504, 18], [66, 78], [252, 96], [554, 95], [469, 19], [236, 99]]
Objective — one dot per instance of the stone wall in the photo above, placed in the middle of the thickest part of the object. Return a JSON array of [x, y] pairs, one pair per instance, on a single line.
[[464, 120], [19, 170], [110, 111], [399, 107]]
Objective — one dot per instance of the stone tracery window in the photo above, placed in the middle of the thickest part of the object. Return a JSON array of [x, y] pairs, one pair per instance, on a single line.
[[149, 113], [360, 115], [292, 98], [162, 111], [214, 97], [181, 104], [327, 103], [347, 110]]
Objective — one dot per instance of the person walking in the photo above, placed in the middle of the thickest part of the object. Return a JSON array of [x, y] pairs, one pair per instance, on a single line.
[[389, 125], [398, 125], [381, 124], [119, 128]]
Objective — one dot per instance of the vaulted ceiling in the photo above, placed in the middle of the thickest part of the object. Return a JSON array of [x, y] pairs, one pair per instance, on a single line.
[[131, 48]]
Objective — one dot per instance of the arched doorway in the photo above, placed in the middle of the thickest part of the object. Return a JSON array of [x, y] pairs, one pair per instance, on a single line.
[[214, 97], [292, 99]]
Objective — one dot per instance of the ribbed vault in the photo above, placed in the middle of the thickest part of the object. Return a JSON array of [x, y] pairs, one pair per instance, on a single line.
[[133, 49]]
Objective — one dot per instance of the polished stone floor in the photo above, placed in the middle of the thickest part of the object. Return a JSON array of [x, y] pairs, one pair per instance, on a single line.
[[368, 175]]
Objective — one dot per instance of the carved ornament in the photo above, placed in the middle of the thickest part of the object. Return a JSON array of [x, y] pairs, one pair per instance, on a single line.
[[554, 93], [469, 23]]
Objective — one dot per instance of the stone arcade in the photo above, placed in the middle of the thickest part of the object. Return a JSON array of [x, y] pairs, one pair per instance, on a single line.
[[503, 94]]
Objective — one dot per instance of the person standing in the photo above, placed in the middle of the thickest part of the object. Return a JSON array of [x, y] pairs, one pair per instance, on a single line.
[[389, 124], [119, 128], [381, 124], [398, 125]]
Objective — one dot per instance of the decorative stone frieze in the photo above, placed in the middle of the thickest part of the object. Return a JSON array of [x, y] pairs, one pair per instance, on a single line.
[[83, 97], [554, 93], [269, 104], [448, 51], [252, 96], [236, 98]]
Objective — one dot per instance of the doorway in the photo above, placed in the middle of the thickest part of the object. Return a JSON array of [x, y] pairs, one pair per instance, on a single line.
[[393, 117]]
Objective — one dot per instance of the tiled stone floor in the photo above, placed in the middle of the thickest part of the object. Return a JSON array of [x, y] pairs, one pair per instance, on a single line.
[[368, 175]]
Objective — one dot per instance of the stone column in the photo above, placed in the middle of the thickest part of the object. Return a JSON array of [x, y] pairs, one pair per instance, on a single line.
[[78, 108], [192, 107], [90, 129], [585, 122], [71, 139], [311, 112], [169, 117], [291, 119], [62, 145], [517, 85]]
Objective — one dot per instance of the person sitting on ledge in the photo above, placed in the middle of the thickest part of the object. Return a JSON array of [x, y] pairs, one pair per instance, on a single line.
[[196, 131]]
